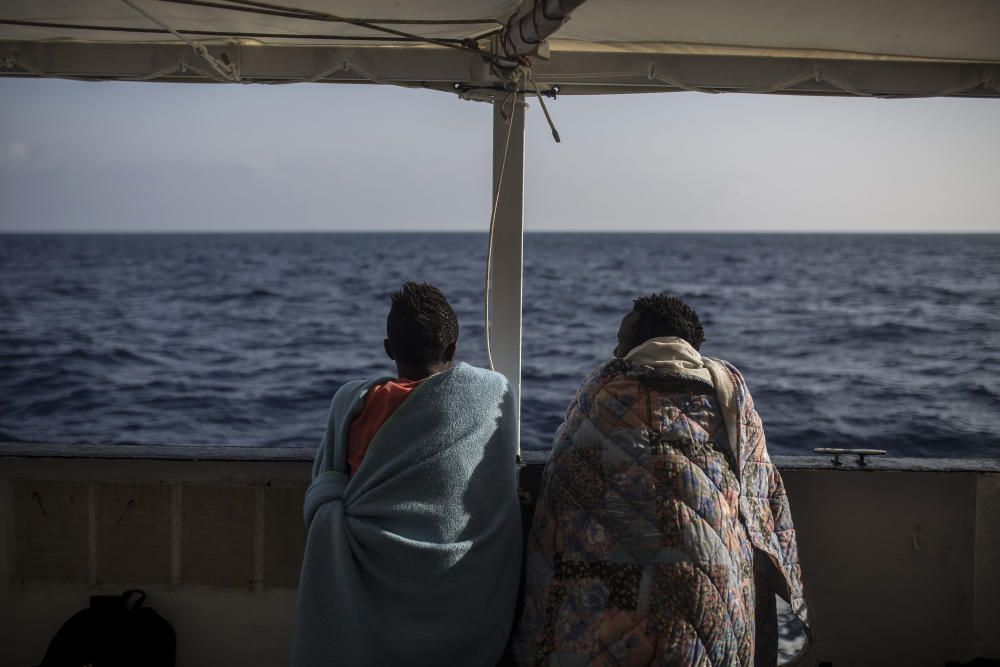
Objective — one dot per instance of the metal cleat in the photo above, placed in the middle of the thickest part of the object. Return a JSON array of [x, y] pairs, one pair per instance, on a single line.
[[860, 453]]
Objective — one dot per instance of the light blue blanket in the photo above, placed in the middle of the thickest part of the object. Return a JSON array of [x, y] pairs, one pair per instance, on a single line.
[[415, 559]]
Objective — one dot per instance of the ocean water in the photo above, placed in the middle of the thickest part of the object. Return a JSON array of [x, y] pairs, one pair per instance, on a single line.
[[888, 341]]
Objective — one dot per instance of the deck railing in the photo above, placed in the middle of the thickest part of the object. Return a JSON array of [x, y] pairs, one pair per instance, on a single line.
[[901, 558]]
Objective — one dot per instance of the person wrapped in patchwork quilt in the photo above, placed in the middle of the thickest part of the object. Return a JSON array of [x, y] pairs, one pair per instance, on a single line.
[[661, 513], [413, 554]]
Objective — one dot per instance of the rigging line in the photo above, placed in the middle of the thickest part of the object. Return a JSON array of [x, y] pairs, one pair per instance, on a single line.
[[493, 220], [579, 75], [342, 66], [226, 70], [986, 81], [548, 118], [366, 24], [12, 62], [836, 83], [210, 73], [297, 14], [210, 33], [992, 80], [653, 76], [351, 67]]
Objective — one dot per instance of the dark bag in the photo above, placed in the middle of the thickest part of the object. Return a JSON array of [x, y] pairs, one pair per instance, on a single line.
[[116, 631]]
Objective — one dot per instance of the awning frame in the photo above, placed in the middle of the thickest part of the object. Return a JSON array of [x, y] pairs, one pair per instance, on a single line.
[[583, 72]]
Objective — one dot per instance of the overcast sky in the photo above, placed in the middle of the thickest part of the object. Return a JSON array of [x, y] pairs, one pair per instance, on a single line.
[[181, 157]]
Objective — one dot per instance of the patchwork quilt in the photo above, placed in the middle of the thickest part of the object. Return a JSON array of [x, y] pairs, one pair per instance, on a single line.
[[641, 548]]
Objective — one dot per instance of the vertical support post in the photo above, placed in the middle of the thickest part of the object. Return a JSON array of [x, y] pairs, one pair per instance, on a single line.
[[508, 241]]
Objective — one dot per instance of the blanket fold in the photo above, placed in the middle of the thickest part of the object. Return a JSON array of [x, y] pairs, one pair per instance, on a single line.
[[328, 487], [415, 559]]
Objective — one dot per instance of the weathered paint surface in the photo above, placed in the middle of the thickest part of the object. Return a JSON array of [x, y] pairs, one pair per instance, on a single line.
[[51, 540], [283, 536], [217, 535], [887, 561], [133, 540], [987, 559]]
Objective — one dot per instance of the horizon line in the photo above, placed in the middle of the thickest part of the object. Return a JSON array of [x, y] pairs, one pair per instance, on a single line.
[[828, 232]]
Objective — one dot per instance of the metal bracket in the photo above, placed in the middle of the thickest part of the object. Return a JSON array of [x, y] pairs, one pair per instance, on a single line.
[[860, 453]]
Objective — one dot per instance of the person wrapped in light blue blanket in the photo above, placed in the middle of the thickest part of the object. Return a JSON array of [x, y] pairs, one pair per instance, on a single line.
[[413, 553]]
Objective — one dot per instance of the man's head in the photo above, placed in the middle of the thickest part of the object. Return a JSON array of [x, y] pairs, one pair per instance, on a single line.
[[655, 316], [421, 330]]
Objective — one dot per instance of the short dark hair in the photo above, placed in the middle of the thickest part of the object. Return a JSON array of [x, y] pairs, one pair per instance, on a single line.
[[664, 315], [421, 324]]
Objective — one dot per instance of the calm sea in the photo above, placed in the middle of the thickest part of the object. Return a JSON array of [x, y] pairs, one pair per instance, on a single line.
[[241, 339]]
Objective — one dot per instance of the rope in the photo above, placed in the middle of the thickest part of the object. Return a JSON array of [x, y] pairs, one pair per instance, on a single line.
[[209, 33], [181, 66], [820, 76], [653, 76], [987, 81], [513, 85], [228, 71], [993, 80], [166, 71], [512, 96], [374, 79], [307, 16], [207, 73], [12, 61], [342, 66], [541, 102], [789, 84], [362, 23], [566, 76]]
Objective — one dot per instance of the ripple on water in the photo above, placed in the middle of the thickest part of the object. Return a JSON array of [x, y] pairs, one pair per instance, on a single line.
[[242, 339]]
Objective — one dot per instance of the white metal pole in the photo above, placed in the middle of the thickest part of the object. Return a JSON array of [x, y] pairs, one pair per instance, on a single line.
[[508, 240]]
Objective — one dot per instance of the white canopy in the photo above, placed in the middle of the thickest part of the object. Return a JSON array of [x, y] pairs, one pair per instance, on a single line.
[[857, 47]]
